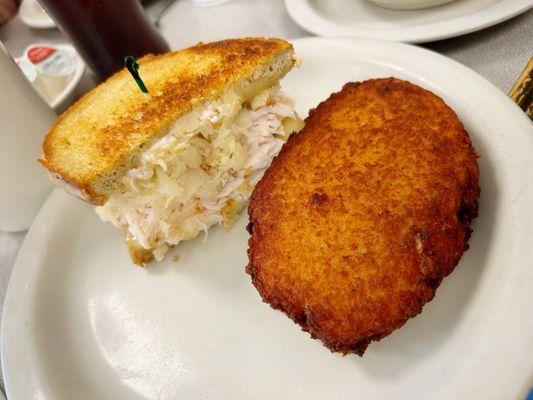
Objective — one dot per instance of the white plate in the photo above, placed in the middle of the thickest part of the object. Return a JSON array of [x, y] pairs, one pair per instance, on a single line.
[[81, 322], [361, 18], [33, 15]]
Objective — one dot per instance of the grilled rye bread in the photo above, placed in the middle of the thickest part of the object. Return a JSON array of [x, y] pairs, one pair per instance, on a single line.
[[99, 138]]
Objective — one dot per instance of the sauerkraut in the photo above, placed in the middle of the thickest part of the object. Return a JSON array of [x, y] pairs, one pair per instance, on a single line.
[[202, 171]]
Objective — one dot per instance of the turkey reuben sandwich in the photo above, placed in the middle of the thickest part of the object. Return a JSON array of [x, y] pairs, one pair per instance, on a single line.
[[165, 165]]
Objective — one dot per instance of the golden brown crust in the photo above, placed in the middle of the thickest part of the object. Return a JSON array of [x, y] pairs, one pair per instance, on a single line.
[[111, 124], [364, 212]]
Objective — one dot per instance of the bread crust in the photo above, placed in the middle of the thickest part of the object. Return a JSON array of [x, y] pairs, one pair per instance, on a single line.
[[139, 255], [97, 140], [364, 212]]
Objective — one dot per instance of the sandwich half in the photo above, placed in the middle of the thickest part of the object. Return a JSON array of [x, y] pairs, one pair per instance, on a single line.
[[165, 165]]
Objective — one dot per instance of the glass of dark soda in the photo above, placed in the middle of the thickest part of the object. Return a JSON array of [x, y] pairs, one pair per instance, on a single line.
[[105, 31]]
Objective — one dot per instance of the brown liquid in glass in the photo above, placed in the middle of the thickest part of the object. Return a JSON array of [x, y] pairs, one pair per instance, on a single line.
[[105, 31]]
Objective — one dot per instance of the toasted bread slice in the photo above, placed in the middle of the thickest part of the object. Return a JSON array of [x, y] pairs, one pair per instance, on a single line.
[[102, 136]]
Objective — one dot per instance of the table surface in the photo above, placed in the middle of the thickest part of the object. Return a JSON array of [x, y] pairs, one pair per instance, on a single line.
[[498, 53]]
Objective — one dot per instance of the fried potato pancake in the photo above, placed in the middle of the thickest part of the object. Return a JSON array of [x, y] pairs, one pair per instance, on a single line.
[[364, 212]]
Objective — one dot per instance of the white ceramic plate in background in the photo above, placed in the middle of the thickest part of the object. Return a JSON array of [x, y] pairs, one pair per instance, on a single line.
[[80, 321], [360, 18]]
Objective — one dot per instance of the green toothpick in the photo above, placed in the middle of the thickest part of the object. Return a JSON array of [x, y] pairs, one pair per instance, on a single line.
[[131, 64]]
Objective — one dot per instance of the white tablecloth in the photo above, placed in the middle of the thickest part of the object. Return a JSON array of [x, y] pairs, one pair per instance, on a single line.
[[498, 53]]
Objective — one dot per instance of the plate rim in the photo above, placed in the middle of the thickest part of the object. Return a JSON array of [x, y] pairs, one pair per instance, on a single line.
[[38, 235], [303, 14]]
